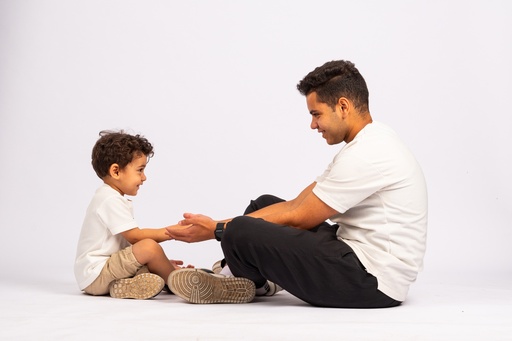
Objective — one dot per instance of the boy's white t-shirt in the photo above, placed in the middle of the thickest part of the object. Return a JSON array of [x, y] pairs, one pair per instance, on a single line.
[[108, 214], [379, 190]]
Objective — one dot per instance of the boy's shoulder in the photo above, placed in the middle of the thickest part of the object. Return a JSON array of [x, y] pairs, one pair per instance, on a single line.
[[105, 192], [105, 189]]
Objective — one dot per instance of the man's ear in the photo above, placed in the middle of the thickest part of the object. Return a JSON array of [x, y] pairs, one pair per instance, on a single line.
[[344, 106], [113, 171]]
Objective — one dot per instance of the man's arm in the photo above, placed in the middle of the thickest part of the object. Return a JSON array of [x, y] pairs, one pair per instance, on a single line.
[[304, 212], [284, 205]]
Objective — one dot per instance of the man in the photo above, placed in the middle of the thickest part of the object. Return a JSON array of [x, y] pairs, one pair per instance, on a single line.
[[375, 192]]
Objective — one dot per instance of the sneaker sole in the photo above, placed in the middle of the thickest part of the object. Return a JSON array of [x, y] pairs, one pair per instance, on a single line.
[[196, 286], [140, 287]]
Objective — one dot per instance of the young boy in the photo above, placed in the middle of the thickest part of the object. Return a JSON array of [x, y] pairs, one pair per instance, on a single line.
[[114, 255]]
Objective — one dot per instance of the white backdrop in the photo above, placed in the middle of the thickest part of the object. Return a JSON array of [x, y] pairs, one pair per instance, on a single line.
[[212, 85]]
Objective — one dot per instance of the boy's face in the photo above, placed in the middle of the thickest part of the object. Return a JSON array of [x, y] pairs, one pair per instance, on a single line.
[[132, 176]]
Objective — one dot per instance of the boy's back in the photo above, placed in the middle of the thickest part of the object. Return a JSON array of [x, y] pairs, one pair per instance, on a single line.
[[107, 216]]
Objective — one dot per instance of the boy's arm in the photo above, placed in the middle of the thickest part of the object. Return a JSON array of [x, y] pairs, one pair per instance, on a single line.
[[136, 234]]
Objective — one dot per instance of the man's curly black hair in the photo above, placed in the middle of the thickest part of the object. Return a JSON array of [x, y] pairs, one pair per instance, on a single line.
[[336, 79]]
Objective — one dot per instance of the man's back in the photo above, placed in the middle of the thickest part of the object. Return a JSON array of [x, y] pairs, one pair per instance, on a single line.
[[379, 189]]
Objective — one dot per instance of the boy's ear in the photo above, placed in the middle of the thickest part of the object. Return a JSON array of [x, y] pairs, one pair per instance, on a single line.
[[114, 171]]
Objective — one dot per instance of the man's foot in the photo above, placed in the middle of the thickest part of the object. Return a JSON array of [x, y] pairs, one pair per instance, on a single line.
[[196, 286], [141, 287], [269, 289], [218, 265]]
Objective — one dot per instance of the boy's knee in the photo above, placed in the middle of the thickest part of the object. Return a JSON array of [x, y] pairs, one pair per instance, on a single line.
[[147, 247], [147, 243]]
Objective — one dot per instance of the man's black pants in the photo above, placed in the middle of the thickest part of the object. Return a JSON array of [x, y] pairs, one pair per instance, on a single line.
[[312, 265]]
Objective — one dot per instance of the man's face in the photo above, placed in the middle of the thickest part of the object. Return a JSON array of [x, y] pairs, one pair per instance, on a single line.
[[325, 120]]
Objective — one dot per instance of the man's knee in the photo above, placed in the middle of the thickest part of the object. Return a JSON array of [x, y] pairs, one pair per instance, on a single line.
[[239, 229], [261, 202], [268, 198]]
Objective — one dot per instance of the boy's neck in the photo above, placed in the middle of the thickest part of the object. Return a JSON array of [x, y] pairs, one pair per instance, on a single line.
[[108, 180]]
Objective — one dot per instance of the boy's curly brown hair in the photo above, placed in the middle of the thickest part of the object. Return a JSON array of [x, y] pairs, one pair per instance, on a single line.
[[118, 147]]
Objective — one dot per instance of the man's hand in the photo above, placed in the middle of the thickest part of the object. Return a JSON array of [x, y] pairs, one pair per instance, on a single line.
[[194, 228]]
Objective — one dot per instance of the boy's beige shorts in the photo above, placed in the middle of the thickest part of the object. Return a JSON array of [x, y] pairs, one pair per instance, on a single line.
[[121, 264]]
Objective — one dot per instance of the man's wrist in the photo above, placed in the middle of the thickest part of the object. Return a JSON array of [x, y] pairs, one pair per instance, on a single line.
[[219, 230]]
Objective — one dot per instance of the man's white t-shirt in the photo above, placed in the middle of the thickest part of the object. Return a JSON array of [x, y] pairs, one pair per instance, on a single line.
[[108, 214], [379, 190]]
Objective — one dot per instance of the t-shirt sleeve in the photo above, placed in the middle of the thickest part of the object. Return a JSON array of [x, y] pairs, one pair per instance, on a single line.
[[117, 215], [347, 181]]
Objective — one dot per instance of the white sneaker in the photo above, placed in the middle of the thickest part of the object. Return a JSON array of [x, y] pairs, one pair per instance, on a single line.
[[217, 267], [196, 286], [270, 287]]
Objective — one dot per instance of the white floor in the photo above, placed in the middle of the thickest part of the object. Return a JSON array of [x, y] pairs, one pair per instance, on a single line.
[[457, 309]]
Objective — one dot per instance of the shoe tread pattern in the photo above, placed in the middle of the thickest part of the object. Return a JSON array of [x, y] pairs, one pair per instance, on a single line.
[[141, 287], [199, 287]]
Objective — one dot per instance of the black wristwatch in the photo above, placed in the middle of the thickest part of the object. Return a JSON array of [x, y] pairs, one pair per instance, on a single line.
[[219, 230]]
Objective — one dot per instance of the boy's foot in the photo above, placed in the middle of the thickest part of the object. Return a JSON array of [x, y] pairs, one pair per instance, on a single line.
[[141, 287], [196, 286]]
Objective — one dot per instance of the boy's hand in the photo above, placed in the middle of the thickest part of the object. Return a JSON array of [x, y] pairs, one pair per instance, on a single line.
[[177, 264]]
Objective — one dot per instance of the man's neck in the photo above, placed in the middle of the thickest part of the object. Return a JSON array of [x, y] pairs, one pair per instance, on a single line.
[[358, 125]]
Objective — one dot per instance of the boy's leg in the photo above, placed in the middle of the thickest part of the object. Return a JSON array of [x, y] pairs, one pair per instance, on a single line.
[[151, 254], [312, 265], [120, 270]]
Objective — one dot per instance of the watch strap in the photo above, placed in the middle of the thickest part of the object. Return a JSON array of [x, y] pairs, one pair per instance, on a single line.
[[219, 230]]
